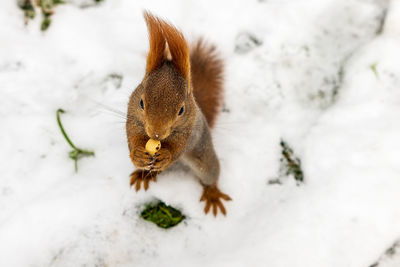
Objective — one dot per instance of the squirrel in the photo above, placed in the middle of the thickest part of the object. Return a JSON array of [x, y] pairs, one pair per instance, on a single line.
[[177, 103]]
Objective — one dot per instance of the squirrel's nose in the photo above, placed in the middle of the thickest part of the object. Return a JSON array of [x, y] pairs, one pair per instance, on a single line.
[[157, 134]]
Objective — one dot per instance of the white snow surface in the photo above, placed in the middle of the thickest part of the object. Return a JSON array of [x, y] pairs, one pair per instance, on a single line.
[[308, 81]]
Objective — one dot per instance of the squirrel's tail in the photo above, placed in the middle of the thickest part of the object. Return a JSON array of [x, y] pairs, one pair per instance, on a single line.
[[207, 79]]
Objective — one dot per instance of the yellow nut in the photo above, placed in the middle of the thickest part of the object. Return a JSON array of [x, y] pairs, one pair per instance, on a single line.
[[152, 146]]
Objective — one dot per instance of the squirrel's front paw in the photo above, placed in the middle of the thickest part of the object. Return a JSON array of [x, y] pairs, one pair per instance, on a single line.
[[141, 158], [141, 176], [162, 160], [212, 196]]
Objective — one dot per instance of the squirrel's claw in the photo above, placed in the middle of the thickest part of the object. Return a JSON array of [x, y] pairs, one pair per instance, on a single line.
[[212, 196], [162, 159], [221, 207], [141, 158], [142, 176]]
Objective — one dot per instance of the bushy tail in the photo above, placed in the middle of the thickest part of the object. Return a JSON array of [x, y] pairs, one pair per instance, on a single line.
[[207, 79]]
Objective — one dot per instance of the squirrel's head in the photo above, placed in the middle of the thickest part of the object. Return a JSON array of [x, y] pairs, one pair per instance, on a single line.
[[165, 100]]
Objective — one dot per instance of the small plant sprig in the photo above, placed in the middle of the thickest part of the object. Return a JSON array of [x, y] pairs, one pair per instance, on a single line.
[[76, 153], [28, 8], [162, 215], [47, 7], [374, 70], [292, 163]]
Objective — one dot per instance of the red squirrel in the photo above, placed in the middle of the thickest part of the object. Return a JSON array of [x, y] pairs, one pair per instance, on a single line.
[[177, 103]]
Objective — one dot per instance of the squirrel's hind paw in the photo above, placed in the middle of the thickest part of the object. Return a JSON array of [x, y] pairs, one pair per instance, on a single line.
[[212, 197], [143, 176]]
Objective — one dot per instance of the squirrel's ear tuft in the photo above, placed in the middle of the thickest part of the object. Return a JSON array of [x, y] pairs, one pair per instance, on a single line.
[[157, 41], [166, 43], [177, 49]]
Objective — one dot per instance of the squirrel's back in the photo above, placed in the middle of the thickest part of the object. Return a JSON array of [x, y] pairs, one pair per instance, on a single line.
[[207, 79]]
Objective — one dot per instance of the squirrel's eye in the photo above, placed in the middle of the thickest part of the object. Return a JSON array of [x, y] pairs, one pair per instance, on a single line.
[[141, 104], [181, 110]]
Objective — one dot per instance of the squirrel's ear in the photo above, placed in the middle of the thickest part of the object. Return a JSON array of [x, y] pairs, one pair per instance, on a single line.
[[166, 43], [157, 41], [177, 49]]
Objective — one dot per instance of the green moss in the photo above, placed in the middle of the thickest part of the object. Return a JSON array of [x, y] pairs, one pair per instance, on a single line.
[[162, 215], [292, 164]]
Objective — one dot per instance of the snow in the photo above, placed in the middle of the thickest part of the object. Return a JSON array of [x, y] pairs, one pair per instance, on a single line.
[[307, 80]]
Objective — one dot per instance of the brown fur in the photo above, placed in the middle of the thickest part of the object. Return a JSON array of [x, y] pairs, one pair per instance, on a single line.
[[178, 48], [165, 89], [160, 34], [142, 176], [207, 78], [157, 43]]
